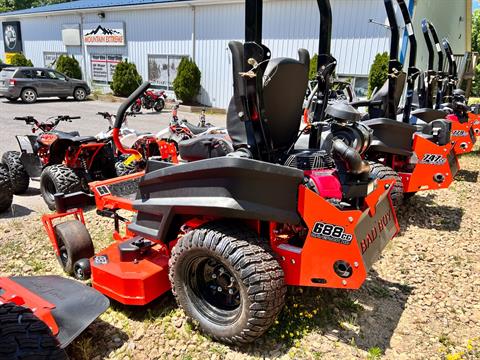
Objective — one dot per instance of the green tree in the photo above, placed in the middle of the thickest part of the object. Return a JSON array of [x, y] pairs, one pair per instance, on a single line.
[[69, 66], [126, 79], [187, 83], [378, 72], [312, 75], [476, 31], [20, 60]]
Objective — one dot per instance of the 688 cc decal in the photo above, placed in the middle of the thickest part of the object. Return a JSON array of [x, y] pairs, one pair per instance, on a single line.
[[331, 233]]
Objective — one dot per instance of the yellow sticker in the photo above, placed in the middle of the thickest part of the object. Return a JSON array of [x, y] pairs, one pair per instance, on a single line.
[[132, 158]]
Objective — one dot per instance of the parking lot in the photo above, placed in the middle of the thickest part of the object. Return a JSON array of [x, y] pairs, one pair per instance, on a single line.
[[89, 124]]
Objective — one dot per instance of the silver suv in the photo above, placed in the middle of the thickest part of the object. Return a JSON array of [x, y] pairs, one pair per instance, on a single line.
[[30, 83]]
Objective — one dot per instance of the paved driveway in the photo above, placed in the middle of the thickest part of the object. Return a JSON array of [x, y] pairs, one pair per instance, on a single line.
[[89, 124]]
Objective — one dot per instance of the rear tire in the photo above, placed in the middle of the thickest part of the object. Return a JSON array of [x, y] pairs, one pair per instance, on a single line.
[[6, 192], [58, 179], [74, 242], [29, 96], [23, 335], [159, 105], [18, 175], [136, 108], [382, 172], [223, 278]]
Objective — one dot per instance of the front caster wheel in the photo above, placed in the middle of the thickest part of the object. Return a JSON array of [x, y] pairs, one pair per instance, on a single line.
[[74, 243], [227, 282]]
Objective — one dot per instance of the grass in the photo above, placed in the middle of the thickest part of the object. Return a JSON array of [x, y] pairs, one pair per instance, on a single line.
[[374, 353]]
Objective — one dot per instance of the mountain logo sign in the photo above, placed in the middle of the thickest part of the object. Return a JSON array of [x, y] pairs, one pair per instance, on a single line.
[[104, 34]]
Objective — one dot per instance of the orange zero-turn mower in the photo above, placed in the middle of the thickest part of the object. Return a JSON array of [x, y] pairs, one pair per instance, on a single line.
[[41, 315], [228, 234], [422, 154]]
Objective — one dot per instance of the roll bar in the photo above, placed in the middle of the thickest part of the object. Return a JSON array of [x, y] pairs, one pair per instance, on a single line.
[[324, 46], [428, 41], [436, 40], [413, 72], [253, 21], [122, 110], [394, 66], [452, 63]]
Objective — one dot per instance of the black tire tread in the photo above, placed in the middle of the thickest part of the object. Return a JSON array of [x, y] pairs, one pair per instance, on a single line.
[[65, 179], [24, 336], [18, 175], [121, 169], [382, 172], [256, 266], [6, 191]]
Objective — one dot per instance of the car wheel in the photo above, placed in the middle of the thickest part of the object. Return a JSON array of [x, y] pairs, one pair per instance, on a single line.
[[29, 96], [80, 94]]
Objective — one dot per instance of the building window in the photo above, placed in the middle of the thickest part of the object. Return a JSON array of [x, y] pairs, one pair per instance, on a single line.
[[162, 70], [103, 66], [361, 87], [50, 58]]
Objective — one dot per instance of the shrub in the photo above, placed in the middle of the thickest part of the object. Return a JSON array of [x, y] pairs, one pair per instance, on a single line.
[[69, 66], [378, 72], [476, 82], [20, 60], [126, 79], [187, 83], [312, 75]]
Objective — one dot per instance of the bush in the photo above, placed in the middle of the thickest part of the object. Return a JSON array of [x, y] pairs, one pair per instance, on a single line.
[[20, 60], [69, 66], [476, 82], [126, 79], [312, 75], [187, 83], [378, 72]]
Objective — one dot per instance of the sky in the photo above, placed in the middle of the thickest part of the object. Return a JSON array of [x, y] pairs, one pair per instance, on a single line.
[[476, 4]]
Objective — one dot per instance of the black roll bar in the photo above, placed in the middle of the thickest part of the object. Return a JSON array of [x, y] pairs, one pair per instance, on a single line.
[[253, 21], [428, 41]]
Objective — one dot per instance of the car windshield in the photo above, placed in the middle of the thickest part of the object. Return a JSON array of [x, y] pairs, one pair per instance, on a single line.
[[7, 73]]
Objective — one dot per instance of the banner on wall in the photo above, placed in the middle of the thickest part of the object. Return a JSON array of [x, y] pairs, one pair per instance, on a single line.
[[104, 34], [12, 37], [103, 67]]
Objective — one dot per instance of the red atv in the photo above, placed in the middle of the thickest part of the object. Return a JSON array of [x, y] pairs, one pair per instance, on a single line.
[[150, 100], [228, 234], [41, 315], [64, 161]]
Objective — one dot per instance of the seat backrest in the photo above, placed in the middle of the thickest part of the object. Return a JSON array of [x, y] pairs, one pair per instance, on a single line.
[[382, 94], [284, 86]]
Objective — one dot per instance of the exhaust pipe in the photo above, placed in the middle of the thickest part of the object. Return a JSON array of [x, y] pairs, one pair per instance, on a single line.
[[351, 157]]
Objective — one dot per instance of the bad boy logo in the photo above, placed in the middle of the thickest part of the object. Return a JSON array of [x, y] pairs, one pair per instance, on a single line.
[[10, 36]]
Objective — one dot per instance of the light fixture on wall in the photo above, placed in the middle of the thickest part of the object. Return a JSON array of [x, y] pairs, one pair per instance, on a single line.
[[101, 15]]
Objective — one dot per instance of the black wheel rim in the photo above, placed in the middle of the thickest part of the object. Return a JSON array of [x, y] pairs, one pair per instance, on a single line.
[[63, 253], [213, 290]]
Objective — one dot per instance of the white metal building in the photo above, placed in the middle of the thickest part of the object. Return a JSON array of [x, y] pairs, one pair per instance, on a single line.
[[155, 34]]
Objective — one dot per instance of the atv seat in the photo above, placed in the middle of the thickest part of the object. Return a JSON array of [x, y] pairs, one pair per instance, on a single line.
[[76, 138], [429, 115], [65, 133], [196, 130], [204, 147]]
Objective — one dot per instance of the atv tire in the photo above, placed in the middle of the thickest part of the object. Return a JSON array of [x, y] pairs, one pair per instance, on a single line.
[[74, 242], [6, 192], [58, 179], [382, 172], [18, 175], [24, 336], [121, 169], [229, 283]]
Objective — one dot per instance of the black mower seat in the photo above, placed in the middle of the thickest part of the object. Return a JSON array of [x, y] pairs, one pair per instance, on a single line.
[[196, 130], [429, 115], [391, 136]]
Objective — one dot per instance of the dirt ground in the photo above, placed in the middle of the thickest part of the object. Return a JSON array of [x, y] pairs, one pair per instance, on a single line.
[[421, 301]]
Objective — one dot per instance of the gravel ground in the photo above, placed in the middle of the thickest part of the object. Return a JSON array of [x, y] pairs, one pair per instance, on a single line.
[[89, 124], [421, 301]]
